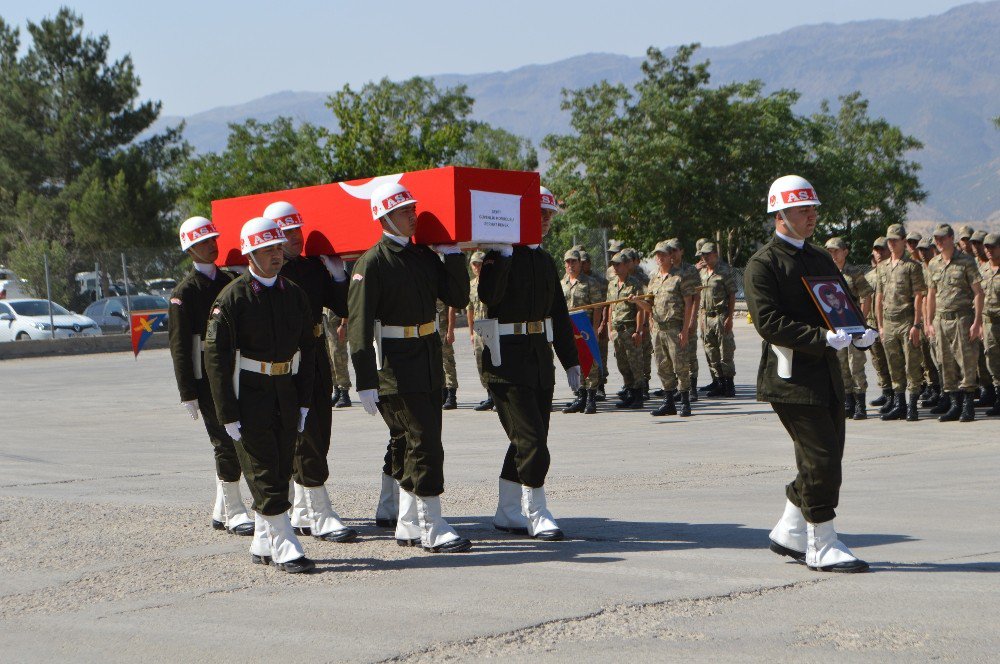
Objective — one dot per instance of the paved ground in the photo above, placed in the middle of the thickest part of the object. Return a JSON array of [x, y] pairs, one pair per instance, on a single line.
[[106, 488]]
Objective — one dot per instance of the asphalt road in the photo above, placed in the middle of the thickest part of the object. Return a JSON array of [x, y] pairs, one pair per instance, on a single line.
[[106, 553]]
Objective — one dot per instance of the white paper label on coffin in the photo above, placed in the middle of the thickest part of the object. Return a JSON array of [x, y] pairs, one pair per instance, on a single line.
[[495, 217]]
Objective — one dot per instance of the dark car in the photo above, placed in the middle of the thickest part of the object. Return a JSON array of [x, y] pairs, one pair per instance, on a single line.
[[112, 313]]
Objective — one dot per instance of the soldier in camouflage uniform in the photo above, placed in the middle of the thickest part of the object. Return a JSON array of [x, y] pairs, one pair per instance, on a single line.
[[928, 350], [985, 379], [602, 332], [955, 313], [671, 309], [991, 314], [899, 310], [477, 311], [700, 266], [852, 359], [446, 324], [690, 273], [647, 344], [880, 252], [627, 325], [718, 306], [579, 290], [913, 239], [336, 340]]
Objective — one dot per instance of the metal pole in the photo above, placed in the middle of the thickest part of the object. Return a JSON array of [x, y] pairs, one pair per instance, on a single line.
[[128, 299], [48, 294], [98, 289]]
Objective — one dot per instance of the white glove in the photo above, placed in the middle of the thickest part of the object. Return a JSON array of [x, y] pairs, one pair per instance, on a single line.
[[303, 413], [368, 399], [573, 376], [866, 340], [335, 266], [504, 249], [233, 429], [192, 408], [446, 248], [838, 339]]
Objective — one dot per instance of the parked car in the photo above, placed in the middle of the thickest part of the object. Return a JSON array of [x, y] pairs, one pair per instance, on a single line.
[[112, 313], [11, 287], [21, 320], [161, 286]]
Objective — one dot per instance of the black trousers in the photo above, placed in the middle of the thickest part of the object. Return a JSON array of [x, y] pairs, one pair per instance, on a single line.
[[415, 456], [227, 464], [524, 413], [818, 436], [309, 466], [269, 417]]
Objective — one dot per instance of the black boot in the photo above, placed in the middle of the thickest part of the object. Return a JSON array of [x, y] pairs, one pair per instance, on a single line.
[[450, 399], [881, 401], [336, 397], [911, 408], [860, 412], [626, 400], [711, 386], [730, 392], [968, 408], [686, 403], [345, 399], [989, 397], [659, 392], [667, 407], [591, 406], [943, 404], [933, 394], [645, 389], [898, 410], [719, 389], [638, 400], [622, 393], [601, 395], [925, 391], [957, 399], [889, 404], [693, 394], [850, 404], [485, 404], [578, 404], [994, 411]]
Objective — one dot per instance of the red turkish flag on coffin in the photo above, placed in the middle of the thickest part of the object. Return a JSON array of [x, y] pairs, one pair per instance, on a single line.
[[455, 205]]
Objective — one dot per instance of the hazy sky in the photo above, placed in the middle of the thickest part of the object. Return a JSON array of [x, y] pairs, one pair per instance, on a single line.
[[198, 55]]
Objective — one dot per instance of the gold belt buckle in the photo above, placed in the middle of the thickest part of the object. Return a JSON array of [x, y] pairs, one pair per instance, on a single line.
[[280, 368], [426, 329], [410, 331], [535, 327]]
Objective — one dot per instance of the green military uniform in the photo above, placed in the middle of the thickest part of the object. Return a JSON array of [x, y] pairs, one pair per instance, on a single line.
[[476, 311], [268, 325], [852, 360], [899, 283], [991, 318], [399, 286], [447, 349], [310, 467], [524, 288], [879, 363], [578, 293], [718, 287], [953, 316], [337, 350], [622, 327], [190, 304], [810, 402], [601, 284], [669, 293]]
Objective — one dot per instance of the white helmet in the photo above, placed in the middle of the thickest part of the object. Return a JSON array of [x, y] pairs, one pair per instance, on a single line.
[[258, 233], [284, 214], [194, 230], [388, 197], [790, 191], [548, 200]]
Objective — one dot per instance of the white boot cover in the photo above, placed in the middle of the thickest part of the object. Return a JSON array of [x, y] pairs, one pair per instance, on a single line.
[[219, 510], [408, 523], [260, 545], [434, 530], [790, 532], [324, 520], [236, 511], [285, 546], [300, 510], [509, 515], [388, 499], [540, 520], [824, 547]]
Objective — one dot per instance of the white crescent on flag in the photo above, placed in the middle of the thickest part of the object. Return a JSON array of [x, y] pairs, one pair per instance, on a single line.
[[364, 191]]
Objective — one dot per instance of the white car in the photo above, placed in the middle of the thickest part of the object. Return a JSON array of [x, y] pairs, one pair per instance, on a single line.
[[21, 320]]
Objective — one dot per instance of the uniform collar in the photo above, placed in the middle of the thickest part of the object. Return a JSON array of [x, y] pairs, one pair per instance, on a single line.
[[265, 281], [207, 269], [798, 244], [398, 239]]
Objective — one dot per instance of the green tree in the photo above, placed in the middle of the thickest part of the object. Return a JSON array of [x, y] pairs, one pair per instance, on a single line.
[[259, 157], [73, 171], [492, 147]]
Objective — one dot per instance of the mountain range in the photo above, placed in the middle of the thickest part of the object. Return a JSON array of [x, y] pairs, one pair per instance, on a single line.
[[937, 77]]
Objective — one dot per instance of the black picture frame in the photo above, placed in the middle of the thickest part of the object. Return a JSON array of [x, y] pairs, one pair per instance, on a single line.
[[829, 292]]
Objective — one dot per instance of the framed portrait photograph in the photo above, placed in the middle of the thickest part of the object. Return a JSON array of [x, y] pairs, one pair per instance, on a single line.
[[836, 306]]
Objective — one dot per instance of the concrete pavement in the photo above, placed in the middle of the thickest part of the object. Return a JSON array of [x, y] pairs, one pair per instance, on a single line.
[[106, 490]]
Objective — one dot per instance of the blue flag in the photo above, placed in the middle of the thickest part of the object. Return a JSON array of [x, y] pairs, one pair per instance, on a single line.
[[586, 341]]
